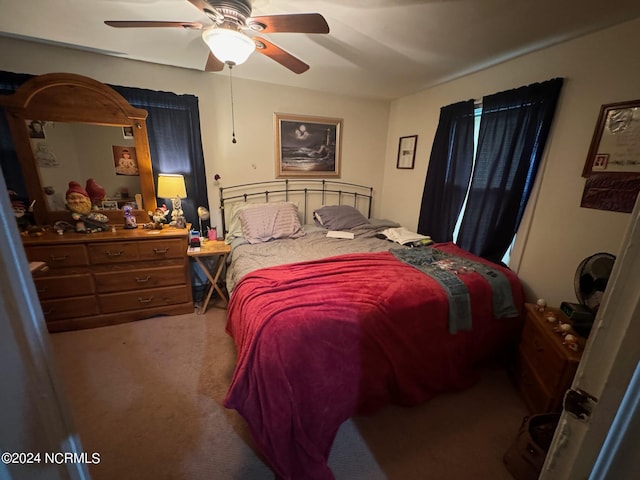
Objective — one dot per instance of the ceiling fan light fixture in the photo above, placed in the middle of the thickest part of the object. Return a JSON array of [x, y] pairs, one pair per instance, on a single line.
[[229, 46]]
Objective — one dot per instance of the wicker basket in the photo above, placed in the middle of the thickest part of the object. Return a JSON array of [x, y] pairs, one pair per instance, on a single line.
[[525, 457]]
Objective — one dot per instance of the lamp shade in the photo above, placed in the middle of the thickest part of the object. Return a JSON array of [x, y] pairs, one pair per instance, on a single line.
[[171, 186], [229, 46]]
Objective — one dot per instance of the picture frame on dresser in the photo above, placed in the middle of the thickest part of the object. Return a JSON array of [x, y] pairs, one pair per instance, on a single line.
[[109, 205]]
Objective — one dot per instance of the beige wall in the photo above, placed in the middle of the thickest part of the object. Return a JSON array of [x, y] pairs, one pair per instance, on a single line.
[[252, 158], [557, 233]]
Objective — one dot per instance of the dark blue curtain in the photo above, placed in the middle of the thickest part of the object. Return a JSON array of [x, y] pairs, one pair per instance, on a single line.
[[449, 171], [173, 127], [514, 127]]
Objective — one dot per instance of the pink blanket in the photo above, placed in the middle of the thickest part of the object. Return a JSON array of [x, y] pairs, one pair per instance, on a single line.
[[321, 341]]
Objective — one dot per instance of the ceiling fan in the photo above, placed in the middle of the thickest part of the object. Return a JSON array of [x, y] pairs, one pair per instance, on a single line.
[[226, 37]]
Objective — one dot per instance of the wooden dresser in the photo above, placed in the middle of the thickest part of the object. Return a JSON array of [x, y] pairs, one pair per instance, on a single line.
[[110, 277], [545, 367]]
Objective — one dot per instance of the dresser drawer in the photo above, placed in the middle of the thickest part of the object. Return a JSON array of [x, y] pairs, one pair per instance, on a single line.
[[59, 255], [156, 249], [53, 286], [113, 252], [71, 307], [153, 297], [541, 355], [127, 280], [534, 392]]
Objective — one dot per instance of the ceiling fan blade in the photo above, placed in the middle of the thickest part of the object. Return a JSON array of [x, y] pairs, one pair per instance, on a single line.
[[145, 24], [283, 58], [289, 23], [213, 64]]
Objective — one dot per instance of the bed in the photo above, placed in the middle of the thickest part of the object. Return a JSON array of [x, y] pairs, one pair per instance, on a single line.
[[327, 328]]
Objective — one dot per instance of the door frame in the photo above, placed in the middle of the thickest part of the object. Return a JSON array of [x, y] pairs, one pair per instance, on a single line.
[[33, 410], [605, 371]]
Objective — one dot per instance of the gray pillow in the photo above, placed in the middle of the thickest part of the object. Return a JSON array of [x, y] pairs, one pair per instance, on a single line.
[[270, 221], [339, 217]]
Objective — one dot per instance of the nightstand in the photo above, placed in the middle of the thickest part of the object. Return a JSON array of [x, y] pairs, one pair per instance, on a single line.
[[218, 251], [545, 367]]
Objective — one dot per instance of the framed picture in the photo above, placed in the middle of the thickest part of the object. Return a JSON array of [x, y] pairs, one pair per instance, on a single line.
[[127, 132], [36, 129], [615, 146], [109, 205], [407, 151], [307, 146], [125, 160]]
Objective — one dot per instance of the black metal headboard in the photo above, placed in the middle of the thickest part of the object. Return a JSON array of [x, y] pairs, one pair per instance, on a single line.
[[324, 192]]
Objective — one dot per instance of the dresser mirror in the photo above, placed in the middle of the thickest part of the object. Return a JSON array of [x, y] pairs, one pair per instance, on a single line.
[[68, 127]]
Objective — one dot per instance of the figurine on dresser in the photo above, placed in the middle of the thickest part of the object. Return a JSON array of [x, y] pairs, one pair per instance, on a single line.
[[79, 203], [97, 193], [158, 218]]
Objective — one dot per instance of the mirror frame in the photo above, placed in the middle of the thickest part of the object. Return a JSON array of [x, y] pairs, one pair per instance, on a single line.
[[67, 97]]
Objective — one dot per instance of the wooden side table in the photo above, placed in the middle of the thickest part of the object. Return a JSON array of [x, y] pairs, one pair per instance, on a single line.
[[545, 366], [218, 251]]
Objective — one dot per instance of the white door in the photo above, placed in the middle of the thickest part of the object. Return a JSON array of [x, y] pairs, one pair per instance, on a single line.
[[33, 414], [605, 372]]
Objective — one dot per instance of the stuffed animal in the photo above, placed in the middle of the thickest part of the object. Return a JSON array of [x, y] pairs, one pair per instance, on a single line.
[[79, 203]]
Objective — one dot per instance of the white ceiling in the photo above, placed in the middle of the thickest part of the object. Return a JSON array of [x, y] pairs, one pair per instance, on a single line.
[[376, 48]]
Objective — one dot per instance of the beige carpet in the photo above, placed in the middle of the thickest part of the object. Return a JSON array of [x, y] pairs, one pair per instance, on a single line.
[[148, 397]]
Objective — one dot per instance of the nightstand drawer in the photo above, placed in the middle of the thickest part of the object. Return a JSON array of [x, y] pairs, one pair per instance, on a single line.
[[541, 355], [545, 366], [537, 397]]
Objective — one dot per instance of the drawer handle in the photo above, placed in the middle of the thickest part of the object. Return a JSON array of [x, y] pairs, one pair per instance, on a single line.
[[114, 254], [58, 259], [48, 312], [143, 280], [160, 251], [41, 290], [145, 300]]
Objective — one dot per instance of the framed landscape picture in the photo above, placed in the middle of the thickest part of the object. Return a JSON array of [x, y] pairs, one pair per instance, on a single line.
[[307, 146]]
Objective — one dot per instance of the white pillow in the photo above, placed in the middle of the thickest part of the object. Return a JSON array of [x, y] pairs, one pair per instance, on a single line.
[[234, 228]]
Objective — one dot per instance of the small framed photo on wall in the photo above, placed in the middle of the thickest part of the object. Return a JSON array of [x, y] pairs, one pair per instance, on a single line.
[[407, 152]]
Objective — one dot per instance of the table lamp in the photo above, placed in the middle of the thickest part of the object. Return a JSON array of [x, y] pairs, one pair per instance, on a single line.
[[172, 186]]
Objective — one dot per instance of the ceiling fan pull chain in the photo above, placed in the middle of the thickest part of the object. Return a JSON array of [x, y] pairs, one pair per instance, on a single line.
[[233, 121]]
